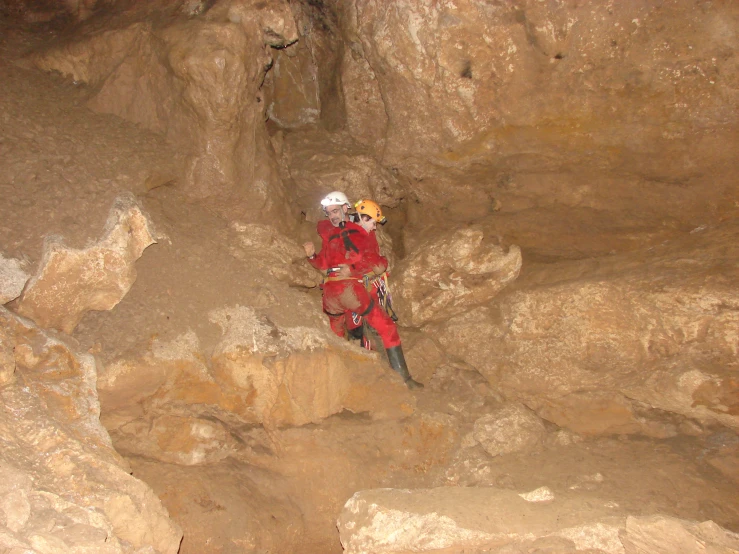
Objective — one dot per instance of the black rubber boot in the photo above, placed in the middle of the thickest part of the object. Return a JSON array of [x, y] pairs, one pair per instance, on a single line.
[[397, 362]]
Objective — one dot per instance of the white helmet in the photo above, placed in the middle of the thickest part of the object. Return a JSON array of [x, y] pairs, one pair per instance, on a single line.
[[335, 198]]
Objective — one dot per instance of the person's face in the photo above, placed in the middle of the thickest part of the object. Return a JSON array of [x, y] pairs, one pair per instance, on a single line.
[[336, 214], [367, 223]]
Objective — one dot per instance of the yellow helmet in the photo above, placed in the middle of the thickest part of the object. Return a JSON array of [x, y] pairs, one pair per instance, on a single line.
[[370, 208]]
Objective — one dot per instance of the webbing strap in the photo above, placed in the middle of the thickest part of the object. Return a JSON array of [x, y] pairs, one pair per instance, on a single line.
[[369, 308]]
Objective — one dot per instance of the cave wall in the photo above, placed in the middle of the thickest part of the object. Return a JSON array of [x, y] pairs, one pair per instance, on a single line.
[[194, 72], [627, 109]]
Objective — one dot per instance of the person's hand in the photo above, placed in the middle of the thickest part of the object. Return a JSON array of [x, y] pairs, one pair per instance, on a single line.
[[310, 250], [344, 271]]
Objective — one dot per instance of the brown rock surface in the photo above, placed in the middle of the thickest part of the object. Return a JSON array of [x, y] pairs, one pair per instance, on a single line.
[[70, 282], [196, 79]]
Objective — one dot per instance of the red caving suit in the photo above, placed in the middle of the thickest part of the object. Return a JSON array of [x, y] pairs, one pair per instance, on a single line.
[[352, 245]]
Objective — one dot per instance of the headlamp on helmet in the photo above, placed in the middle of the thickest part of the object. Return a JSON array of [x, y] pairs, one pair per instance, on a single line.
[[335, 198]]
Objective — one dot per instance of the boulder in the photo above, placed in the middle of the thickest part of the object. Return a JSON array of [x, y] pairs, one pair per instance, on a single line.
[[12, 279], [458, 520], [64, 488], [512, 428], [451, 274], [70, 281], [298, 375]]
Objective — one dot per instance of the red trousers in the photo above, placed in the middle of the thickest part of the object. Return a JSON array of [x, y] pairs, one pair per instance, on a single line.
[[340, 298]]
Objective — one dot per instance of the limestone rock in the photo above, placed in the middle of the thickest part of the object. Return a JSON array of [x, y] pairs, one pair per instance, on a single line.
[[633, 344], [12, 279], [665, 535], [176, 405], [297, 375], [512, 428], [303, 87], [508, 84], [64, 488], [70, 282], [446, 276], [281, 257], [459, 520]]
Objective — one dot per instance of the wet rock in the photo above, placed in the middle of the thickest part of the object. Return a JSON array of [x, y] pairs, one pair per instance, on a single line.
[[458, 520], [12, 279], [64, 488], [512, 428], [70, 281], [450, 275]]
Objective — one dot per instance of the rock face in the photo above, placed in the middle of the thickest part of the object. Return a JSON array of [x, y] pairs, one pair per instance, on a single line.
[[449, 275], [459, 520], [173, 406], [196, 78], [320, 162], [70, 282], [617, 348], [64, 488], [529, 85]]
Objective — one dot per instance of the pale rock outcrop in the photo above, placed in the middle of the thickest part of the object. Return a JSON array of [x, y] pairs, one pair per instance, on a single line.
[[12, 279], [298, 375], [64, 488], [512, 428], [177, 405], [633, 344], [70, 281], [451, 274], [458, 520]]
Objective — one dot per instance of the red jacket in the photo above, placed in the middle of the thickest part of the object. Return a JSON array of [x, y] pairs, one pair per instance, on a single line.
[[349, 244]]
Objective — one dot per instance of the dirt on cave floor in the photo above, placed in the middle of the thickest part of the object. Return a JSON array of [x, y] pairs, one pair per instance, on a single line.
[[61, 167]]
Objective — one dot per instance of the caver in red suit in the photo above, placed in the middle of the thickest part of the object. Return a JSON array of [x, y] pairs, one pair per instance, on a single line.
[[350, 244]]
